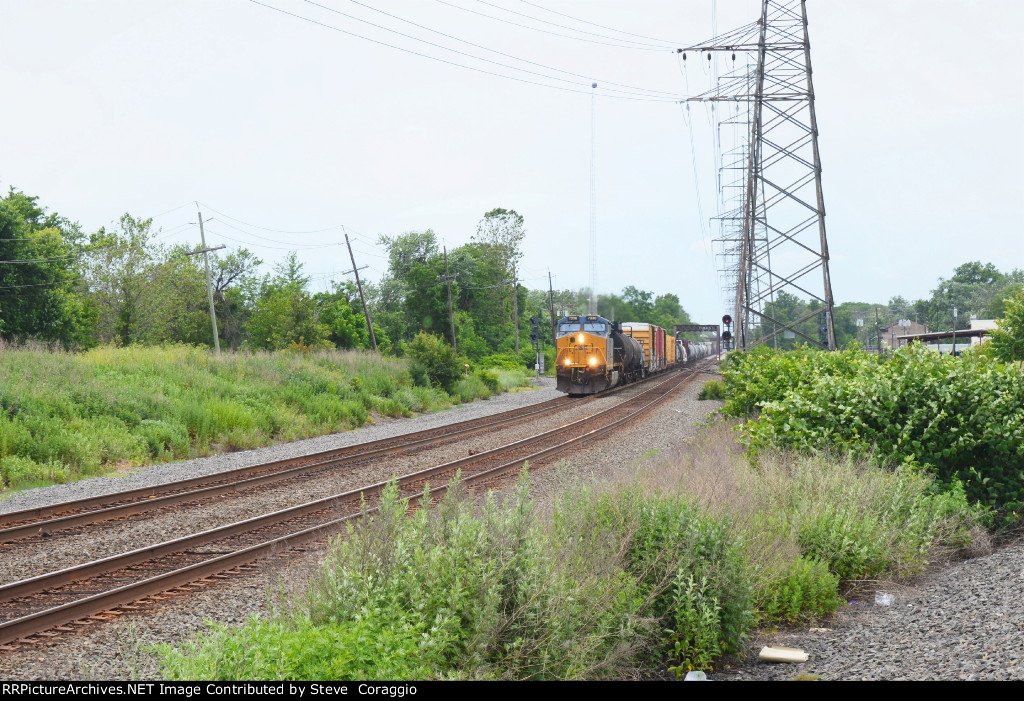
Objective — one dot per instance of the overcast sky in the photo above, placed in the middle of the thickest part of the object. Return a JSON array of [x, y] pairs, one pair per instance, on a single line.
[[144, 106]]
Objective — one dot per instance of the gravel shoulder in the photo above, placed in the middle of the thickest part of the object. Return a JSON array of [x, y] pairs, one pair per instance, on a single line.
[[961, 621]]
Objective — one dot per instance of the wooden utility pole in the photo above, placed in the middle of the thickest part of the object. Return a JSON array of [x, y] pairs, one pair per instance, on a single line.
[[515, 306], [209, 283], [451, 312], [551, 308], [359, 284]]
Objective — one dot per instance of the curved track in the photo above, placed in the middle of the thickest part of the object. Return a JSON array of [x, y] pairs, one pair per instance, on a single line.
[[40, 603]]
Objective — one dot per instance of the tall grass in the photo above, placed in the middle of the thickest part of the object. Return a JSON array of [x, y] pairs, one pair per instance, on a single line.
[[814, 526], [64, 415], [675, 563]]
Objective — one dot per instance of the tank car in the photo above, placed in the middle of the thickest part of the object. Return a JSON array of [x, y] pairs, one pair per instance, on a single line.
[[593, 354]]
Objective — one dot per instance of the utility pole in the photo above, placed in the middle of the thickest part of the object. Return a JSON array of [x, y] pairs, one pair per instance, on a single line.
[[359, 284], [878, 333], [515, 306], [551, 308], [451, 313], [209, 283], [954, 333]]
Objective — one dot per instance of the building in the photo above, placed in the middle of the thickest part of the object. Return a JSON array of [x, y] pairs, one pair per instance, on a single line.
[[951, 341], [890, 335]]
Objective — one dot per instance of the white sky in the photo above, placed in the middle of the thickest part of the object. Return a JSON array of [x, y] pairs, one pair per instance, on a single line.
[[144, 106]]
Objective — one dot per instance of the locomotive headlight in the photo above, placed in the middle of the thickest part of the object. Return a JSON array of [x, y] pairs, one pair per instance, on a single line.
[[568, 361], [593, 361]]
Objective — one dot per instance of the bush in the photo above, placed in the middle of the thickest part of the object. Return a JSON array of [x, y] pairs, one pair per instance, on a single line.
[[469, 389], [490, 379], [273, 650], [505, 361], [712, 389], [807, 589], [435, 360], [963, 418]]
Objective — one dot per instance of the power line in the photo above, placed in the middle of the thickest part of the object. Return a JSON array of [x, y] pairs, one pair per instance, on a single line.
[[264, 228], [594, 24], [557, 34], [502, 53], [456, 51], [453, 63]]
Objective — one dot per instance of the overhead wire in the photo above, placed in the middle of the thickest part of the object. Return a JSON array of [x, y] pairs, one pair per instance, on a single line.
[[502, 53], [453, 63], [631, 91], [619, 45], [600, 26], [264, 228]]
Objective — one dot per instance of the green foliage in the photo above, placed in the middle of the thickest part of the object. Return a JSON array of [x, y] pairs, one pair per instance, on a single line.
[[68, 415], [593, 588], [362, 649], [40, 297], [434, 360], [1007, 342], [505, 361], [807, 589], [961, 417], [490, 380], [712, 389], [690, 570]]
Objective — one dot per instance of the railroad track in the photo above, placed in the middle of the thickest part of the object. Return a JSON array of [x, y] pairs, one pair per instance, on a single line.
[[54, 600], [47, 520], [76, 515]]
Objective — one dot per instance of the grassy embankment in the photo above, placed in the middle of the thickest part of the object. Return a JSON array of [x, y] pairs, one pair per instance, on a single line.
[[64, 415]]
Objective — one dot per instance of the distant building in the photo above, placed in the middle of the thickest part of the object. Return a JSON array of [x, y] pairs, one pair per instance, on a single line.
[[890, 335], [947, 341], [981, 325]]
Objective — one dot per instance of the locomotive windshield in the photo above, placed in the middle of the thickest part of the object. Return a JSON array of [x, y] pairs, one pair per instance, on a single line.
[[596, 327], [566, 327]]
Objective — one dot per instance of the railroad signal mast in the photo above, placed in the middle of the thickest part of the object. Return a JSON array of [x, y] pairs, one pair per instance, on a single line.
[[772, 234]]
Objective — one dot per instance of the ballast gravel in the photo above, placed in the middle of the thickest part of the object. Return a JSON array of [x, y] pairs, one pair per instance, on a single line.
[[31, 557], [962, 621]]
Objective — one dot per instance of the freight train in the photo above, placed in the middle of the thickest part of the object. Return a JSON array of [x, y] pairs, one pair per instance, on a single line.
[[594, 354]]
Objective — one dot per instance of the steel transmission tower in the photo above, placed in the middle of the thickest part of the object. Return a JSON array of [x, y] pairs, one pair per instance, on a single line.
[[772, 222]]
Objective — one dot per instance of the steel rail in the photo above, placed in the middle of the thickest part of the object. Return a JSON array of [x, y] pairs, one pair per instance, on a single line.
[[18, 628], [130, 502]]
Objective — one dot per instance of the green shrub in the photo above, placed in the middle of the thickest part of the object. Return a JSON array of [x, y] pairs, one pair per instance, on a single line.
[[808, 589], [273, 650], [434, 359], [963, 418], [712, 389], [469, 389], [504, 361], [490, 379], [18, 471]]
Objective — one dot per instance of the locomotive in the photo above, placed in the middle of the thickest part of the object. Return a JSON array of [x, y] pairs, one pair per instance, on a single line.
[[594, 354]]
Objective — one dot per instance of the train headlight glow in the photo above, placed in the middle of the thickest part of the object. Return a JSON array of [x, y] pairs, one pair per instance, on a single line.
[[593, 361], [568, 361]]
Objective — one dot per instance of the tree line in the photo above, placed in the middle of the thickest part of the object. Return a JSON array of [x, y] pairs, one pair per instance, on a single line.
[[122, 285], [975, 288]]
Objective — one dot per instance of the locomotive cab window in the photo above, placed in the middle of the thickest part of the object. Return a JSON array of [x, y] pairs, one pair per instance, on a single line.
[[568, 328], [595, 327]]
